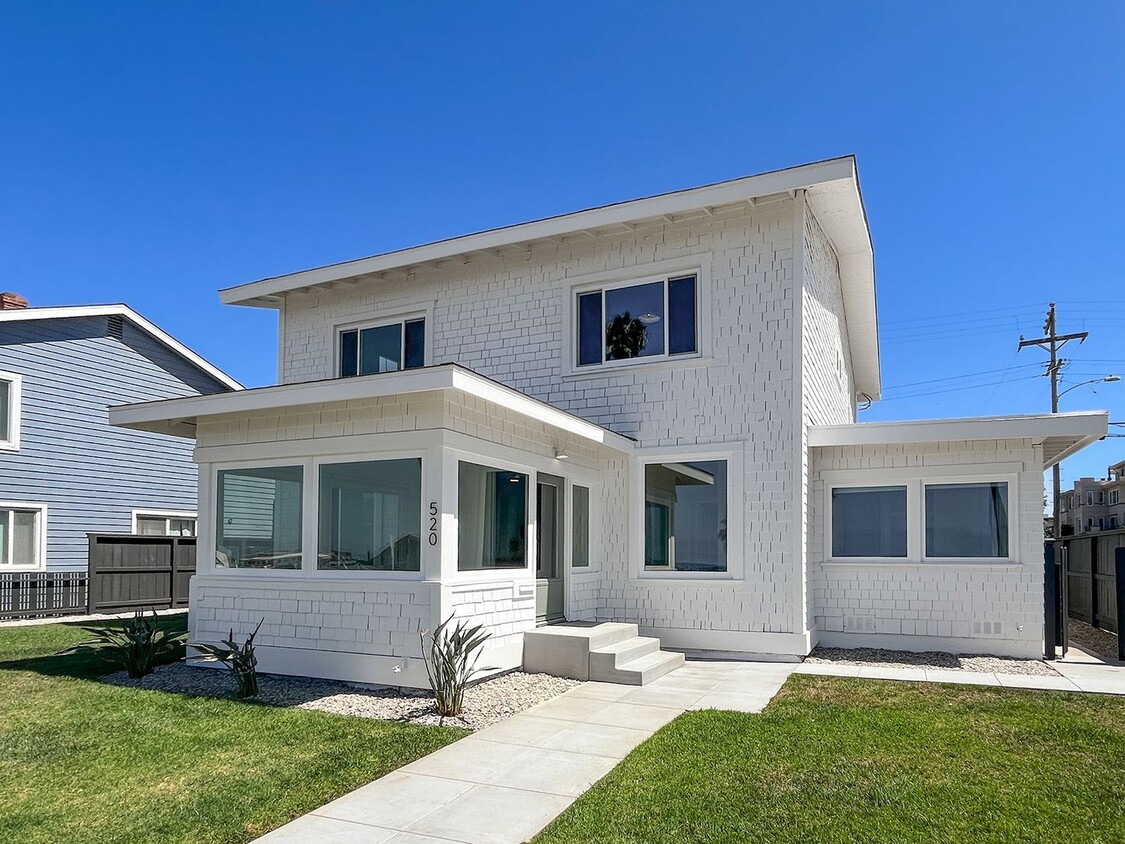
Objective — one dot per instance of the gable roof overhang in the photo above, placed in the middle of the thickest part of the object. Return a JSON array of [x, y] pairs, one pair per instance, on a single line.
[[180, 416], [162, 337], [1060, 434], [831, 189]]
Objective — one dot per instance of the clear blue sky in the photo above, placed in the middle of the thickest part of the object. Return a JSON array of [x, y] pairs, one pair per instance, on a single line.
[[155, 152]]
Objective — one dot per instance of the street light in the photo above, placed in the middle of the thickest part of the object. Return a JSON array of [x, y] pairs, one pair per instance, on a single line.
[[1108, 379], [1056, 470]]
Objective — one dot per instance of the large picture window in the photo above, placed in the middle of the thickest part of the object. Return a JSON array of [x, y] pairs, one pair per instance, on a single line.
[[491, 518], [383, 348], [259, 518], [20, 545], [370, 516], [685, 519], [869, 521], [651, 319], [967, 520]]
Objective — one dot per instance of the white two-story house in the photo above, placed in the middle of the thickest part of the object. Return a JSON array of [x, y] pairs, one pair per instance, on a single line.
[[643, 413]]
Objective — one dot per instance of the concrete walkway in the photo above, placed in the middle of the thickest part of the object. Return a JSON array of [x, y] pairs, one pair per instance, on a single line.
[[506, 782], [1076, 674]]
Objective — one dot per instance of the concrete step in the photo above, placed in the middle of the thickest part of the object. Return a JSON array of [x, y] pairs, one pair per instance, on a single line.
[[605, 660], [645, 669], [563, 650]]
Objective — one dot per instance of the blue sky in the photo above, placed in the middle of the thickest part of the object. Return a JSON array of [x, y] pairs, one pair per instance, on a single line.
[[153, 153]]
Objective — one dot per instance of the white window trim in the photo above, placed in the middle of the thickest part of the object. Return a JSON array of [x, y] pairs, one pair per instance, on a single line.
[[735, 514], [166, 515], [915, 484], [593, 495], [531, 525], [40, 535], [1114, 496], [312, 569], [308, 498], [379, 322], [698, 265], [15, 401]]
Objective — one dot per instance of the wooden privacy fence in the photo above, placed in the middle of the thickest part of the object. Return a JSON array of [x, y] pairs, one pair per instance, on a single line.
[[1090, 579], [134, 572]]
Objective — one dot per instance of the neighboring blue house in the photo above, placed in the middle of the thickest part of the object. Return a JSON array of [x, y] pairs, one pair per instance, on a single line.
[[64, 472]]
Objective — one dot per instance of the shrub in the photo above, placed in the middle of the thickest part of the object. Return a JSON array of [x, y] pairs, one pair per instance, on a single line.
[[451, 663], [138, 645], [240, 659]]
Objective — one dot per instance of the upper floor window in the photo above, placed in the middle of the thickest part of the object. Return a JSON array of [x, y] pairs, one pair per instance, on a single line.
[[1089, 498], [651, 319], [9, 411], [1114, 496], [387, 347]]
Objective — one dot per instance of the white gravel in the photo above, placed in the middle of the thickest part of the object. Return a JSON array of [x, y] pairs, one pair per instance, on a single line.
[[486, 702], [974, 663]]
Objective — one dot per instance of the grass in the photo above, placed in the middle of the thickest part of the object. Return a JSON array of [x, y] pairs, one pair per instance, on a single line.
[[81, 761], [844, 760]]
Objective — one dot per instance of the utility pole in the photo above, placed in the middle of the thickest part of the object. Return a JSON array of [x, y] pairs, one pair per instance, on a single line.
[[1052, 341]]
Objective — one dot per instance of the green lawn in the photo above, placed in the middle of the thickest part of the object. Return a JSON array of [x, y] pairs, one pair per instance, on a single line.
[[842, 760], [81, 761]]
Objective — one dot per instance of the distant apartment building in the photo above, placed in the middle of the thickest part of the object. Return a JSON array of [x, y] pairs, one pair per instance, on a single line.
[[1095, 503]]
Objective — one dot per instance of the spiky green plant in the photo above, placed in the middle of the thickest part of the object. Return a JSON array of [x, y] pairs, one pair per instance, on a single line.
[[451, 659], [138, 645], [240, 659]]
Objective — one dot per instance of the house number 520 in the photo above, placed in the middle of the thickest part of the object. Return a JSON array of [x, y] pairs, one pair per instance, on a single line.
[[432, 538]]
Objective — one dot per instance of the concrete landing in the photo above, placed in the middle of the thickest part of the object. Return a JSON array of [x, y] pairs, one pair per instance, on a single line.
[[607, 652]]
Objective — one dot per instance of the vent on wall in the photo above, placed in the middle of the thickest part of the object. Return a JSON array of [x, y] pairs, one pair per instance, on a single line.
[[859, 622], [116, 326], [987, 628]]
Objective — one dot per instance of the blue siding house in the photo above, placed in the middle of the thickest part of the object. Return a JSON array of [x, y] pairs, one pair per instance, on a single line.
[[64, 471]]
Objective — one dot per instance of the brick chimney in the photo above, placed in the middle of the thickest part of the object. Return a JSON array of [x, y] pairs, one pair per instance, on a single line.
[[12, 301]]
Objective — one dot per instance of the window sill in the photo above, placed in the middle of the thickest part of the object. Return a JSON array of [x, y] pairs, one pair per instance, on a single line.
[[687, 578], [885, 562], [613, 370]]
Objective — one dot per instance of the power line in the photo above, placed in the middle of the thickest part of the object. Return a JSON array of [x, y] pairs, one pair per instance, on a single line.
[[960, 377]]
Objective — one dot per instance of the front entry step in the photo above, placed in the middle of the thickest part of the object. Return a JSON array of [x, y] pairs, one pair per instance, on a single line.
[[608, 652]]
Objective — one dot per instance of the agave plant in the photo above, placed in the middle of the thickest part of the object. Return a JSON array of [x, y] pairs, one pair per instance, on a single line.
[[451, 659], [138, 645], [240, 659]]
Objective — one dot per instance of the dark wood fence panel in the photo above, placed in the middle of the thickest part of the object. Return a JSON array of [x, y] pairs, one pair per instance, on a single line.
[[42, 594], [1091, 583], [133, 572]]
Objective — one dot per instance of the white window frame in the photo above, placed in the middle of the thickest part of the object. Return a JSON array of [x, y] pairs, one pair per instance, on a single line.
[[1114, 496], [167, 515], [735, 514], [40, 535], [381, 322], [313, 526], [697, 265], [15, 401], [915, 484], [308, 502]]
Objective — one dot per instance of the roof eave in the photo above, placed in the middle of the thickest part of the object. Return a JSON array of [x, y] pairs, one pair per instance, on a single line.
[[267, 292]]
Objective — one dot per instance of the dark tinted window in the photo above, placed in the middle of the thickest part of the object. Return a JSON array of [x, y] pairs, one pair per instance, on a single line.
[[415, 355], [591, 335], [349, 353], [681, 315]]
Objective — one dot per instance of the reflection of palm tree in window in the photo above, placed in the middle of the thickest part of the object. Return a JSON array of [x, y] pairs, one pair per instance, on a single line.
[[625, 337]]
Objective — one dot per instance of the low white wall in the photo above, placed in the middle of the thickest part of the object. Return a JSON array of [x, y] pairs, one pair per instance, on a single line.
[[973, 607], [352, 629]]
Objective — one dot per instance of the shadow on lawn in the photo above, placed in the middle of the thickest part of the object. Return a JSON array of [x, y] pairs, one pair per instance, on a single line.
[[79, 666]]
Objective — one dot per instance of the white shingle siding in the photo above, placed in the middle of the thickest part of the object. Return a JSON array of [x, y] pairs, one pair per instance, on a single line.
[[974, 607], [504, 318]]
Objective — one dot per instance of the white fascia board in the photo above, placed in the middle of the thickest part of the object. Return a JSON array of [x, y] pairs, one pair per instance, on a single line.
[[173, 414], [31, 314], [264, 293], [1083, 427]]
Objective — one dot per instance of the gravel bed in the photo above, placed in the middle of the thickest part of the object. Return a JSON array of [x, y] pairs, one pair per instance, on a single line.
[[1093, 640], [974, 663], [486, 702]]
